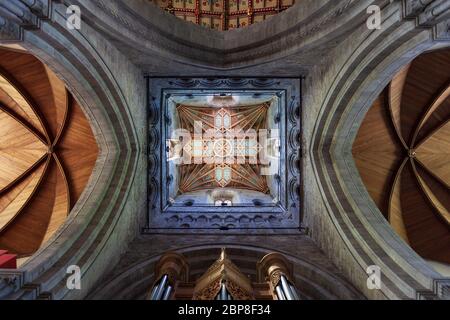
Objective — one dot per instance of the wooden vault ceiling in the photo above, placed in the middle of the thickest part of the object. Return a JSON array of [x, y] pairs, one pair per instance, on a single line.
[[403, 154], [47, 152], [224, 14], [195, 177]]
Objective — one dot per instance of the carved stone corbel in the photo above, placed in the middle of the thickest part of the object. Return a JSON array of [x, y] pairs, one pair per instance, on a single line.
[[26, 14], [440, 291], [412, 8], [442, 31]]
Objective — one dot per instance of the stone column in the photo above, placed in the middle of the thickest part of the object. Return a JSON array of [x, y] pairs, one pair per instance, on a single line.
[[272, 268]]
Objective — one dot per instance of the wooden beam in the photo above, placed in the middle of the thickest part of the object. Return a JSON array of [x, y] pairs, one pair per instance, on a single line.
[[437, 101], [24, 99], [394, 101], [395, 212], [436, 203], [15, 200]]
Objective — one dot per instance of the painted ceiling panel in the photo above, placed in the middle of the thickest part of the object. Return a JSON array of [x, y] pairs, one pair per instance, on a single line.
[[218, 148], [223, 14]]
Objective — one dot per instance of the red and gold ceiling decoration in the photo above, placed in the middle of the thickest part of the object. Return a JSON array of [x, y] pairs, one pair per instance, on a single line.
[[224, 14], [227, 134], [403, 154], [47, 152]]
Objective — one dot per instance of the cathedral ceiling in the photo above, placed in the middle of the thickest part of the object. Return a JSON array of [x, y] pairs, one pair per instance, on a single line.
[[224, 14], [230, 157], [47, 152], [161, 44], [210, 168], [403, 154]]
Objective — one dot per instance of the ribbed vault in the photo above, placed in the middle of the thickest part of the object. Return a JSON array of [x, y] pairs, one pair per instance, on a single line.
[[403, 154], [47, 152], [224, 136], [224, 14]]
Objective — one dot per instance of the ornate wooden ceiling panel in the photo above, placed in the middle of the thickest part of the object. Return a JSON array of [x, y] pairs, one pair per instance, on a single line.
[[406, 164], [47, 152], [20, 149], [217, 148], [224, 14], [222, 208]]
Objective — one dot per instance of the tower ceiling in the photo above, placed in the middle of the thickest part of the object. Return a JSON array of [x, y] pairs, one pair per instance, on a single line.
[[224, 137], [224, 14]]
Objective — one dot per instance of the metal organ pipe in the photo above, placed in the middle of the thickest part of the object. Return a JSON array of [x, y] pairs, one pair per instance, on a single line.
[[161, 288], [280, 293], [294, 292], [167, 293], [286, 288], [223, 292]]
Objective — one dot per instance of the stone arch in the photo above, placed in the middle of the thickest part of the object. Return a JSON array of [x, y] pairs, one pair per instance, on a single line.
[[313, 281], [355, 78], [86, 237], [322, 23]]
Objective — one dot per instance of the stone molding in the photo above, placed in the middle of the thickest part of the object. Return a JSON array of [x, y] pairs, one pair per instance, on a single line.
[[142, 32], [286, 215]]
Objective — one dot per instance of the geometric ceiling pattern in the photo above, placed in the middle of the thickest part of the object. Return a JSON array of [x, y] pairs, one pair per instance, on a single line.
[[47, 152], [224, 14], [225, 138], [264, 191], [403, 154]]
